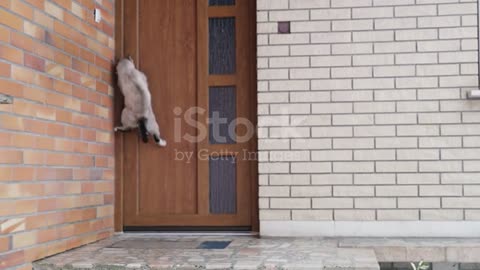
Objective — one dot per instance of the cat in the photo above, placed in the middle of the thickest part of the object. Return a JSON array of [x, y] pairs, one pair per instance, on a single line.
[[138, 112]]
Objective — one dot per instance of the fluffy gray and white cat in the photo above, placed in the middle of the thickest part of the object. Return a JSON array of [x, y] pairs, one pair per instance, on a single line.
[[138, 112]]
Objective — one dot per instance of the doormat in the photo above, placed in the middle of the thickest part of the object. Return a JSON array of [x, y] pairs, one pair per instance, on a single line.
[[145, 243], [214, 245]]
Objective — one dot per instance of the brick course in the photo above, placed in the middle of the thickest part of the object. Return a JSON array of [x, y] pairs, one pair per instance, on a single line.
[[373, 92], [56, 142]]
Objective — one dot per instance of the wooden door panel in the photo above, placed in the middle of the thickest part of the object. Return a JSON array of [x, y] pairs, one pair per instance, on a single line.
[[169, 41], [168, 28], [159, 185]]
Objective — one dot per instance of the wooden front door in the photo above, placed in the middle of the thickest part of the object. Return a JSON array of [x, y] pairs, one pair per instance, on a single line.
[[199, 58]]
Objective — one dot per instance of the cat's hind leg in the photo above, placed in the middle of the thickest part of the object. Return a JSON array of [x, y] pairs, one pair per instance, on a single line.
[[128, 121], [154, 129], [159, 141], [142, 129]]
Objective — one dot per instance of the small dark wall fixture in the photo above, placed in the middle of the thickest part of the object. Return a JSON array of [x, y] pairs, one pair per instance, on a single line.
[[4, 99], [284, 27]]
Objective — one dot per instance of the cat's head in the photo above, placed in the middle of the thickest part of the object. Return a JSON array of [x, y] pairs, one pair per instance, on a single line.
[[125, 64]]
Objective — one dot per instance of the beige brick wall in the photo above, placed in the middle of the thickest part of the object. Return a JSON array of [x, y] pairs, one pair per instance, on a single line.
[[363, 113]]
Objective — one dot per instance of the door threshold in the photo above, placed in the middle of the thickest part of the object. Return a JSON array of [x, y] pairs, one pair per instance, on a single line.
[[187, 233], [199, 229], [191, 230]]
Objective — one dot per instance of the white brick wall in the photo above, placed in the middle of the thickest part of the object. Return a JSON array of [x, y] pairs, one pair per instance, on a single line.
[[363, 113]]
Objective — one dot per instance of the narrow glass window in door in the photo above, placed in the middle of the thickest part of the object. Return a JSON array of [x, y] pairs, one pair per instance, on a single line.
[[222, 53], [222, 111], [221, 2], [223, 185]]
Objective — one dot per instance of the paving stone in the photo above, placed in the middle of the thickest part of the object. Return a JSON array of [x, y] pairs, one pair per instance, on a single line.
[[445, 266], [464, 255], [243, 253], [426, 254]]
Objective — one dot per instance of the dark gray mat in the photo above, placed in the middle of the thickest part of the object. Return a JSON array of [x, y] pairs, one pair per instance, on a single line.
[[165, 244]]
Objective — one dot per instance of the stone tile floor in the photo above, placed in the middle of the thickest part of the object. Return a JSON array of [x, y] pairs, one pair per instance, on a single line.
[[153, 251], [242, 253]]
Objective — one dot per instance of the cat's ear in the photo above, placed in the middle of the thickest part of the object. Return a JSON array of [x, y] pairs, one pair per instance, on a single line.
[[131, 59]]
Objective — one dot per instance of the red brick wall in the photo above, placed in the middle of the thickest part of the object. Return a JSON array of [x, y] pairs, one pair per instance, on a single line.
[[56, 141]]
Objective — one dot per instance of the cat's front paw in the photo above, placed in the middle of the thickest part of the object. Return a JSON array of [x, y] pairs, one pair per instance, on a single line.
[[118, 129]]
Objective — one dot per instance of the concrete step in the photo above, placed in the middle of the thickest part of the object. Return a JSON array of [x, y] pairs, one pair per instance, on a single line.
[[453, 250]]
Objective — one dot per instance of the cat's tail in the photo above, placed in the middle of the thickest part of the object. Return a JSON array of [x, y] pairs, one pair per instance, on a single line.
[[142, 128]]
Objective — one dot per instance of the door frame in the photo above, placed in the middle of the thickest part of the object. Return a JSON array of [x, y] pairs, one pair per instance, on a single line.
[[118, 106]]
